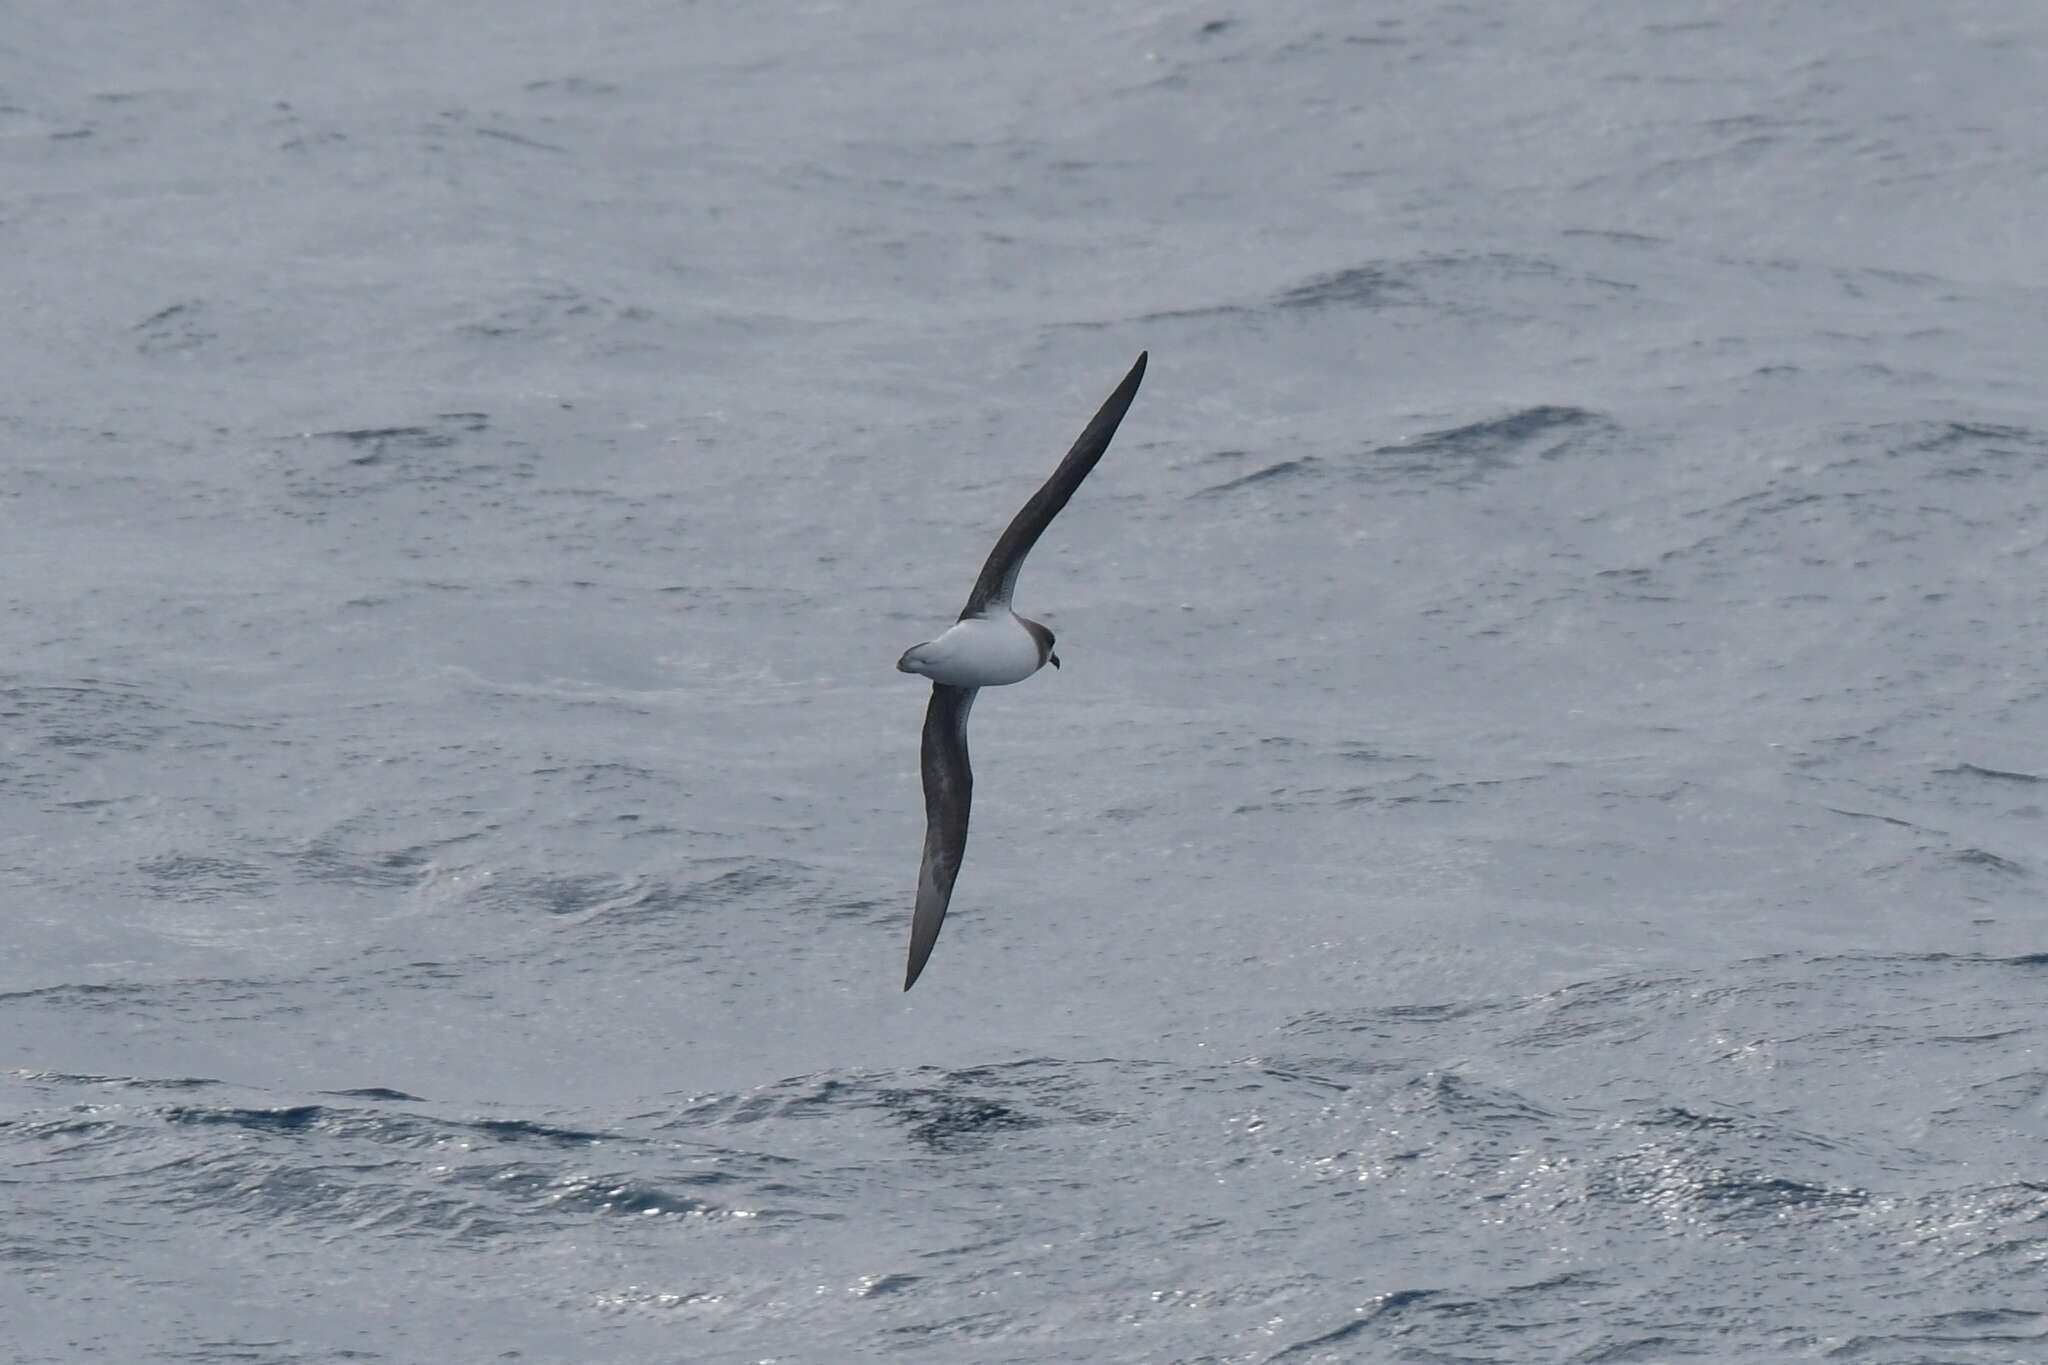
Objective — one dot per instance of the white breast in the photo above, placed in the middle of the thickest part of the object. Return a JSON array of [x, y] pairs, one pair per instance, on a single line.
[[982, 651]]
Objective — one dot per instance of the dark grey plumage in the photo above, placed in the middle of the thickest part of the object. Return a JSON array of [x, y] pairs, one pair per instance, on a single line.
[[948, 776], [999, 575], [948, 793]]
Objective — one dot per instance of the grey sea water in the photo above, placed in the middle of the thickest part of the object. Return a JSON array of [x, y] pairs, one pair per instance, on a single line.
[[1535, 854]]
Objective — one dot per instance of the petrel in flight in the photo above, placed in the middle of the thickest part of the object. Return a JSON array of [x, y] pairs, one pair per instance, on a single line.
[[990, 645]]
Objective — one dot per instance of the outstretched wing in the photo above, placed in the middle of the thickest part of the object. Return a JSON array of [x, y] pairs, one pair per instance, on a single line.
[[948, 792], [999, 576]]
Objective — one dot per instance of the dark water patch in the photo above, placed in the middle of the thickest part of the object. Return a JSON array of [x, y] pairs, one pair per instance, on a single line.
[[1909, 1000], [1980, 1319], [520, 140], [1396, 790], [965, 1105], [552, 895], [420, 976], [875, 910], [1355, 752], [379, 445], [752, 880], [124, 1082], [1220, 310], [939, 1110], [2018, 1092], [1984, 860], [361, 1172], [1389, 1021], [951, 1121], [1977, 874], [29, 1254], [1771, 1195], [1959, 453], [540, 1187], [295, 1119], [1637, 1351], [1871, 815], [1913, 1344], [328, 862], [62, 1137], [1696, 1182], [976, 1327], [1602, 1010], [541, 312], [884, 1285], [523, 1130], [1636, 585], [614, 901], [582, 86], [1468, 1102], [425, 437], [1450, 281], [1298, 1076], [385, 1128], [603, 778], [1972, 770], [261, 1351], [1895, 964], [1461, 456], [89, 718], [1394, 1309], [379, 459], [1286, 472], [1686, 1120], [1995, 1036], [202, 996], [1365, 286], [176, 327], [197, 877], [1730, 1132], [800, 1097], [325, 1189], [1617, 236]]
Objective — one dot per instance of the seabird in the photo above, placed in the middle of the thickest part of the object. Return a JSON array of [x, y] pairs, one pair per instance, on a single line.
[[989, 647]]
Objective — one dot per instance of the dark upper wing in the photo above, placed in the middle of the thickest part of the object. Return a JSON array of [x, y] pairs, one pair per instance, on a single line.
[[999, 576], [948, 791]]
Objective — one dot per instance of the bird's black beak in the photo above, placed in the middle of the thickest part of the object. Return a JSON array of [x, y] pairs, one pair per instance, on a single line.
[[1053, 659]]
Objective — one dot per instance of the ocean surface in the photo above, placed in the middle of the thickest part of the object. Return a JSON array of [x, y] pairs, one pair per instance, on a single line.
[[1536, 853]]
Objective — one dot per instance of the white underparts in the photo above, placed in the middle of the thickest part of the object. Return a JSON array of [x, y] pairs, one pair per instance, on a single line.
[[982, 651]]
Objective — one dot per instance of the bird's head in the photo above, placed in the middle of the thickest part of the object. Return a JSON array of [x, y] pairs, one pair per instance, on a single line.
[[1044, 639]]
